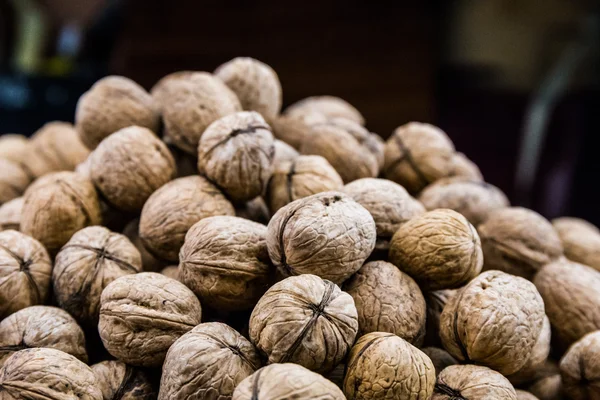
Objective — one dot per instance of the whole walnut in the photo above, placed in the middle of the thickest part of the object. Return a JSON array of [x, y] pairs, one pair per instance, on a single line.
[[111, 104], [523, 395], [292, 131], [580, 240], [580, 368], [327, 234], [436, 301], [494, 321], [416, 155], [286, 381], [141, 315], [387, 300], [120, 381], [440, 249], [93, 258], [372, 142], [538, 356], [461, 166], [56, 206], [255, 210], [472, 382], [170, 212], [10, 214], [385, 366], [14, 147], [389, 204], [328, 106], [129, 165], [13, 180], [225, 262], [518, 241], [172, 271], [25, 270], [255, 84], [439, 357], [305, 320], [284, 152], [162, 90], [473, 199], [149, 262], [548, 383], [302, 177], [41, 326], [194, 367]]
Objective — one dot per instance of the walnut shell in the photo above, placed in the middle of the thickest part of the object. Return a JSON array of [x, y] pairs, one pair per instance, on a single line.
[[170, 212], [385, 366], [162, 90], [389, 204], [129, 165], [13, 181], [388, 300], [111, 104], [436, 301], [518, 241], [523, 395], [439, 249], [286, 381], [14, 147], [580, 240], [372, 142], [461, 166], [120, 381], [305, 320], [56, 206], [41, 326], [149, 262], [565, 224], [255, 210], [25, 270], [538, 356], [10, 214], [225, 262], [141, 315], [440, 358], [172, 271], [472, 382], [43, 373], [328, 106], [194, 369], [292, 131], [580, 368], [283, 152], [93, 258], [494, 321], [327, 234], [548, 388]]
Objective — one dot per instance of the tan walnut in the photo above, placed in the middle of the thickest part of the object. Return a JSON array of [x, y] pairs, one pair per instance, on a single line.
[[13, 180], [580, 369], [462, 166], [538, 356], [292, 131], [523, 395], [14, 147], [472, 382], [118, 380], [172, 271], [548, 382], [580, 240], [328, 106], [10, 214], [284, 152], [372, 142]]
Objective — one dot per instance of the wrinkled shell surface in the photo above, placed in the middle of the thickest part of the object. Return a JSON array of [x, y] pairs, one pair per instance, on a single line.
[[328, 106], [292, 131], [580, 240], [436, 301], [326, 234], [10, 214], [523, 395], [14, 147], [305, 320], [120, 381], [141, 315], [13, 180], [439, 357], [538, 356], [580, 368], [194, 367], [284, 152], [472, 382], [149, 262], [384, 366]]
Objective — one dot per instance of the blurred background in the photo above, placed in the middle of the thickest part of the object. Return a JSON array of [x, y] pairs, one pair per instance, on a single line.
[[515, 83]]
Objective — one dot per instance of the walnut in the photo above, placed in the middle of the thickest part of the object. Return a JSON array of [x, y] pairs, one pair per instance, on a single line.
[[141, 315], [473, 199], [327, 234], [149, 262], [436, 301], [302, 177], [162, 90], [129, 165], [172, 271], [389, 204], [292, 131], [93, 258], [111, 104], [472, 382], [13, 181], [439, 249], [523, 395], [225, 262], [538, 356], [173, 209], [372, 142], [385, 366], [494, 321], [194, 364], [388, 300], [255, 210], [56, 206], [461, 166], [14, 147], [580, 369], [580, 240], [286, 381], [328, 106], [548, 385], [10, 214], [120, 381], [305, 320], [439, 357], [284, 152]]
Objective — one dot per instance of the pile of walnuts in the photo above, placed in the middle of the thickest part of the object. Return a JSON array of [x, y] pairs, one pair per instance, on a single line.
[[196, 242]]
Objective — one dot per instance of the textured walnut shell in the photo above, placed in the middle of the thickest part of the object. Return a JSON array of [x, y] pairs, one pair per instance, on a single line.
[[255, 210], [286, 381], [10, 214], [56, 206], [292, 131], [162, 90], [439, 249], [305, 320], [461, 166], [494, 321], [518, 241], [385, 366], [436, 301], [538, 356], [328, 106], [225, 262], [580, 240], [580, 368], [472, 382], [172, 271], [284, 152], [523, 395], [174, 208], [372, 142], [302, 177], [129, 165], [25, 270], [473, 199], [149, 262], [13, 180], [111, 104], [194, 367], [388, 300], [93, 258], [14, 147], [439, 357], [41, 326], [389, 204], [120, 381], [327, 234], [141, 315]]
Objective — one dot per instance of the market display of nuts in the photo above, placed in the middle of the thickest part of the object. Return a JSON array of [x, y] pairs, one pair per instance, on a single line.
[[13, 181], [472, 382], [118, 380], [580, 368], [440, 358], [10, 214], [328, 106], [580, 240]]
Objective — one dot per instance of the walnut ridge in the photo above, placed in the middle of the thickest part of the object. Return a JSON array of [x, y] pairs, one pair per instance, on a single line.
[[472, 382], [328, 106]]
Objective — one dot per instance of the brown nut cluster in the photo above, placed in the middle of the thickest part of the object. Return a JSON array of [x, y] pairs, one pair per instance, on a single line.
[[472, 382], [10, 214], [13, 180], [327, 106], [580, 368], [580, 240], [461, 166], [118, 380]]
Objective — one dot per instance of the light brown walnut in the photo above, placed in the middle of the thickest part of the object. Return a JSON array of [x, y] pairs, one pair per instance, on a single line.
[[328, 106], [472, 382], [292, 131], [580, 368], [13, 181], [10, 214], [14, 147], [580, 240], [538, 357], [162, 90], [284, 152], [172, 271], [462, 166], [372, 142], [119, 381], [548, 383], [523, 395]]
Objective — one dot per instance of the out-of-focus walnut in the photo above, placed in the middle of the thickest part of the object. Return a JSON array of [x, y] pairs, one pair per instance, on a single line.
[[548, 384], [255, 210], [523, 395], [10, 214], [328, 106], [494, 321], [439, 357], [149, 262], [120, 381], [163, 89], [14, 147], [172, 271], [472, 382], [385, 366], [327, 234], [170, 212], [436, 301], [13, 180], [461, 166], [305, 320], [372, 142], [141, 315], [538, 356], [292, 131], [284, 152], [194, 367], [580, 368], [580, 240]]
